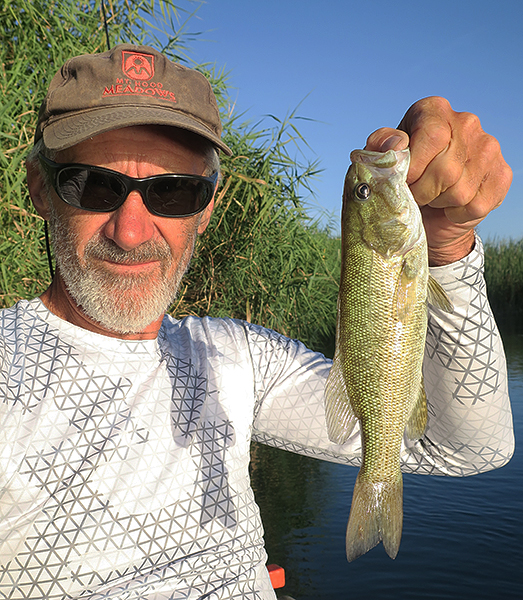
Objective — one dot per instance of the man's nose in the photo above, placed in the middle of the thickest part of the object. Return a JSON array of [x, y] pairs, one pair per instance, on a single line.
[[130, 225]]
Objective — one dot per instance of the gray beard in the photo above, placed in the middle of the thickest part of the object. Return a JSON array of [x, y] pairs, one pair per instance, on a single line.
[[125, 304]]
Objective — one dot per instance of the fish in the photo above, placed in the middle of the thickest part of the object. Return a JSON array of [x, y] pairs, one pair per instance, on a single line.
[[376, 377]]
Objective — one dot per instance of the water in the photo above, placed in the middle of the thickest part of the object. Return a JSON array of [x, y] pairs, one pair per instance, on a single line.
[[461, 536]]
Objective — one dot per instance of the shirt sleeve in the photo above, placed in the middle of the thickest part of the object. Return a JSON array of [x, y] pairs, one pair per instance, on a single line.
[[469, 426]]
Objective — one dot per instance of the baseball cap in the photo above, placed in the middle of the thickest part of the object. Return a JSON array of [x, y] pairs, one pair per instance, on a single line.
[[127, 85]]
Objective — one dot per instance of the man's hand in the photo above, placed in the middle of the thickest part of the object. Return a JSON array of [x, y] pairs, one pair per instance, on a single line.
[[457, 173]]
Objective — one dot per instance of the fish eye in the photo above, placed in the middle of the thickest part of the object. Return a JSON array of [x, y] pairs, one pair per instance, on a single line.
[[362, 191]]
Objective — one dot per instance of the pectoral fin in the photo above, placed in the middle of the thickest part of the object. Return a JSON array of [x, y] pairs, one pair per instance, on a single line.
[[338, 410], [418, 417], [437, 296], [405, 296]]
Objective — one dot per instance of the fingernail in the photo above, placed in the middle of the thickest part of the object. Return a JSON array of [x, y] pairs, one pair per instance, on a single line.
[[391, 143]]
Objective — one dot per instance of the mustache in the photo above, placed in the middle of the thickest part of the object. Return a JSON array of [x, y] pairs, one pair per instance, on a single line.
[[105, 249]]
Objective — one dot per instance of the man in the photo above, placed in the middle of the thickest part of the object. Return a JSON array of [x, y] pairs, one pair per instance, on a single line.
[[125, 433]]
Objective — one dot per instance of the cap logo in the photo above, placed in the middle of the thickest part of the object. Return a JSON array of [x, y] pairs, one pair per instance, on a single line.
[[139, 67], [138, 71]]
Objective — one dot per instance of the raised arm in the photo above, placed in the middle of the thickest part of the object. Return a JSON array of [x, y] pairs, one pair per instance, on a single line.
[[458, 176]]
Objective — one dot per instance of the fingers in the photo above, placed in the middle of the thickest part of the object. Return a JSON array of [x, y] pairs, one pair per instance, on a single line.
[[455, 165], [481, 186], [457, 172], [427, 124], [471, 211], [387, 138]]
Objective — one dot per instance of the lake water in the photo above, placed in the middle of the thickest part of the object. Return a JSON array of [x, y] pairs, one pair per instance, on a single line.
[[461, 539]]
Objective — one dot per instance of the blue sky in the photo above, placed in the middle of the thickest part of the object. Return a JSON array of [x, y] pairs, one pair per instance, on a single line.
[[354, 66]]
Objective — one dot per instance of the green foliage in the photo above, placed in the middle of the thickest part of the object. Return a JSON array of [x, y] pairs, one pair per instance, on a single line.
[[504, 277], [261, 259]]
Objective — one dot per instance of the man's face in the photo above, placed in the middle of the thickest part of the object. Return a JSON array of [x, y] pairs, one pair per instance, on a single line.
[[123, 269]]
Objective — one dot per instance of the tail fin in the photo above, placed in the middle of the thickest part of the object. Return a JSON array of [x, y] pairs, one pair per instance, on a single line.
[[376, 514]]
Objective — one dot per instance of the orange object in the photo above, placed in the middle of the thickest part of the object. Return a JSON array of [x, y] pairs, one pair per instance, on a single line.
[[277, 575]]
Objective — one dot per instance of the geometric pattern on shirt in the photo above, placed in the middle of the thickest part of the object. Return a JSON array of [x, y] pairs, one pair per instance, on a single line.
[[463, 362], [213, 434], [165, 548], [470, 374], [76, 515]]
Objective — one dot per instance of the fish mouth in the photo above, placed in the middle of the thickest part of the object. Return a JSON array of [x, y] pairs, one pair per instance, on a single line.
[[382, 161]]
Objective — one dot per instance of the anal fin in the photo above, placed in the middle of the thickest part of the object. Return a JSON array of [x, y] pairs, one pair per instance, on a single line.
[[418, 417]]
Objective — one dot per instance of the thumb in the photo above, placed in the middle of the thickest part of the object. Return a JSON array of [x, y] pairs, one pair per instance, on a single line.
[[387, 138]]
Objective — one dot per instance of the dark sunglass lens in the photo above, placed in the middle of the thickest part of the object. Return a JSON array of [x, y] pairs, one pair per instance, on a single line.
[[91, 190], [176, 197], [71, 185], [103, 191]]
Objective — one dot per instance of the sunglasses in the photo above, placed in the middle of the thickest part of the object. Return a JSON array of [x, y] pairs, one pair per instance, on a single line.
[[102, 190]]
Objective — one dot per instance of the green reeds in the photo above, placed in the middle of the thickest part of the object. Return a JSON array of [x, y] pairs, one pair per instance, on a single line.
[[262, 258], [504, 277]]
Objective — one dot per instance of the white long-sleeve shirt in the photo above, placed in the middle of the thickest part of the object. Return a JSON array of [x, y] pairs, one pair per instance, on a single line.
[[124, 464]]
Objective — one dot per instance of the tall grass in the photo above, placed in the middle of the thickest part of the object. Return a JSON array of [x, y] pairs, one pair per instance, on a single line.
[[504, 277], [261, 259]]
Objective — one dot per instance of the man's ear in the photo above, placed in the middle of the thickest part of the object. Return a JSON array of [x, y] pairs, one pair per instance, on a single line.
[[206, 217], [37, 190]]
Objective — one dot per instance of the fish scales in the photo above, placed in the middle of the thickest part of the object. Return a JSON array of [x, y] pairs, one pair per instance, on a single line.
[[376, 377]]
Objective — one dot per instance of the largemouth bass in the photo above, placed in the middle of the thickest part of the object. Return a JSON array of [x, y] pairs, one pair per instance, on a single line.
[[376, 377]]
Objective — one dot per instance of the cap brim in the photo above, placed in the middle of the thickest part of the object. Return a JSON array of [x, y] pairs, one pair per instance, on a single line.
[[64, 132]]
